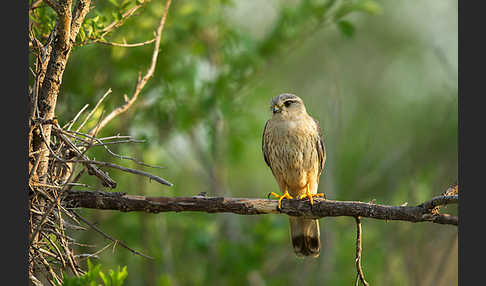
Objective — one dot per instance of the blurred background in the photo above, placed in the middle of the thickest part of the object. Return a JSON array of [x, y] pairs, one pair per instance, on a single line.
[[379, 76]]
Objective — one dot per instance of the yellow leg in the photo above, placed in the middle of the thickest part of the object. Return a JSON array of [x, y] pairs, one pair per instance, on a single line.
[[309, 195], [286, 195]]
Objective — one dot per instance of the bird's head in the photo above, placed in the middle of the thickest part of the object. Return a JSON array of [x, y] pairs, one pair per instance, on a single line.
[[287, 105]]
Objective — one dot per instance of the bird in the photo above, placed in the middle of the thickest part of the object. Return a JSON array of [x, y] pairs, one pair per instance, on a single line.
[[294, 149]]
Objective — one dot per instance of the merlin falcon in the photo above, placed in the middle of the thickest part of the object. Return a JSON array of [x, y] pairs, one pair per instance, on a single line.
[[294, 150]]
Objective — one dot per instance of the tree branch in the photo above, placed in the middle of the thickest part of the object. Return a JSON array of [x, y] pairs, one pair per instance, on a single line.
[[246, 206]]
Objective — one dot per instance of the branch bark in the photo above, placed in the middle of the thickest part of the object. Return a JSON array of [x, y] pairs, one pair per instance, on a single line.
[[246, 206]]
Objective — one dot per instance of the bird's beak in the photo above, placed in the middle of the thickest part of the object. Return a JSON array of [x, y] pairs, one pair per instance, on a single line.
[[276, 109]]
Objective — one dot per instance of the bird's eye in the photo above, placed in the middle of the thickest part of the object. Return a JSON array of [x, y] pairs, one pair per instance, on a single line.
[[288, 103]]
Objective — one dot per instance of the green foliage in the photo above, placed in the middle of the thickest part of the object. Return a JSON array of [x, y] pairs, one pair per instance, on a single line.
[[94, 276]]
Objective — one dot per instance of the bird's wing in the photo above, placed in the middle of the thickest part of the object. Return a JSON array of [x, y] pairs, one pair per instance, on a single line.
[[321, 148], [264, 146]]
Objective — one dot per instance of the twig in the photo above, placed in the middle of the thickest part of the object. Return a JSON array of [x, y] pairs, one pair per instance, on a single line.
[[100, 143], [359, 249], [122, 142], [92, 170], [127, 14], [246, 206], [48, 145], [34, 167], [141, 82], [54, 5], [93, 110], [49, 210], [125, 45], [35, 4], [129, 170], [115, 137], [86, 256], [75, 117], [116, 241]]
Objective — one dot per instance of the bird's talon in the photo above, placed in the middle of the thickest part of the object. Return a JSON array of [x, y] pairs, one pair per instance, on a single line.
[[310, 196], [286, 195]]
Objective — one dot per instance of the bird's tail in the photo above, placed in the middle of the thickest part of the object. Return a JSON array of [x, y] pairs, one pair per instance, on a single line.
[[305, 236]]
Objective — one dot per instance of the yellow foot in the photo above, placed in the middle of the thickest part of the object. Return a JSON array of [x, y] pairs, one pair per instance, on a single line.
[[280, 198], [310, 196]]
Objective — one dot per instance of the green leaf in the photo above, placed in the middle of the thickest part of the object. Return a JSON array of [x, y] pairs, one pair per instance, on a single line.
[[114, 2], [104, 278], [370, 6], [346, 28]]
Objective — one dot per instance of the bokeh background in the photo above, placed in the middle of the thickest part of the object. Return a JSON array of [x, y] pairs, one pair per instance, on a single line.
[[379, 76]]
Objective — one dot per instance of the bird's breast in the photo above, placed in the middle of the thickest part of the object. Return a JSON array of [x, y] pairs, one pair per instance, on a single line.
[[293, 152]]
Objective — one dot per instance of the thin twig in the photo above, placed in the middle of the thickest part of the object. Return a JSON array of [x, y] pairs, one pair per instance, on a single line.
[[125, 45], [116, 241], [35, 4], [122, 142], [100, 143], [75, 118], [86, 256], [129, 170], [54, 5], [359, 249], [93, 110], [34, 168], [49, 210], [48, 145], [105, 179], [118, 23]]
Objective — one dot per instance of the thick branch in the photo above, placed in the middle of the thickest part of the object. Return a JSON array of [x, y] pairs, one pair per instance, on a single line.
[[245, 206]]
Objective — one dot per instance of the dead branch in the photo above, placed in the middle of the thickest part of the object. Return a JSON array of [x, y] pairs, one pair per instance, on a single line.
[[92, 169], [246, 206], [101, 143], [129, 170]]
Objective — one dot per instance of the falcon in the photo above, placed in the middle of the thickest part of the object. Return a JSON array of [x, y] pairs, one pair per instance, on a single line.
[[294, 150]]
